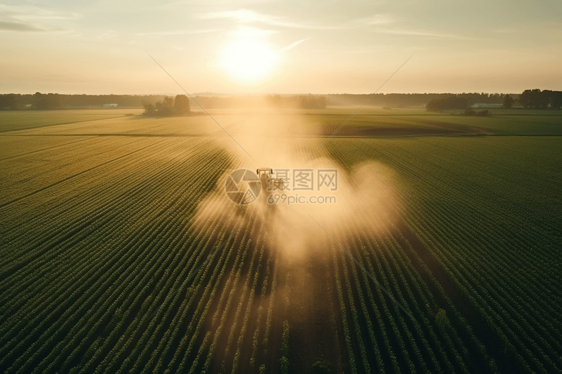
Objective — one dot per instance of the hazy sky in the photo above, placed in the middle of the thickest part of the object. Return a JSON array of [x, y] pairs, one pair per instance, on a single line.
[[260, 46]]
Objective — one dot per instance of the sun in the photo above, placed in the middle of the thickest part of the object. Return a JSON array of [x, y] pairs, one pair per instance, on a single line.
[[249, 60]]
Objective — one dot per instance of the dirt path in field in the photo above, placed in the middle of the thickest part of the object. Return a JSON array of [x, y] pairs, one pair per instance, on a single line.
[[430, 129], [237, 129], [307, 300]]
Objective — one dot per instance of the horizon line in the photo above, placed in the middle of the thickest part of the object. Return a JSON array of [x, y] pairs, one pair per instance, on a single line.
[[267, 93]]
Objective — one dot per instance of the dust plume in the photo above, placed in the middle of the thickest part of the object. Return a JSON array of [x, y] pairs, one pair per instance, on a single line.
[[363, 190], [298, 252]]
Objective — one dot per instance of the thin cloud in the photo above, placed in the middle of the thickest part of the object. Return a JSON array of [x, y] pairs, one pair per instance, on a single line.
[[346, 51], [11, 24], [381, 22], [251, 32], [32, 12], [28, 19], [293, 45], [6, 25], [215, 2], [377, 19], [176, 32], [249, 16], [421, 33]]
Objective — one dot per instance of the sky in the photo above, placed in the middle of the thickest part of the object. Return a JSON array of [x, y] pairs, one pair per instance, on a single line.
[[266, 46]]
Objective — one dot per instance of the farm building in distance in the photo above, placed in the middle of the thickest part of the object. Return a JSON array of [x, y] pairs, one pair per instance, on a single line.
[[110, 105]]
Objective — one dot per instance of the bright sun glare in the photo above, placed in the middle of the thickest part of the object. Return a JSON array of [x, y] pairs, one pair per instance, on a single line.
[[249, 60]]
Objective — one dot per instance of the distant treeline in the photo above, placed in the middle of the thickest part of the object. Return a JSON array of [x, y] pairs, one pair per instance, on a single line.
[[299, 101], [449, 102], [277, 101], [537, 99], [397, 100], [59, 101], [534, 99], [531, 99], [41, 101]]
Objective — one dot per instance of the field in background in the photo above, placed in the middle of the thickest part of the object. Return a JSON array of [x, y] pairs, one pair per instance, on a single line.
[[101, 250], [369, 122], [19, 120]]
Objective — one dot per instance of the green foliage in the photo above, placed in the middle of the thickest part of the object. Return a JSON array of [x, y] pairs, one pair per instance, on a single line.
[[149, 108], [164, 107], [284, 361], [284, 365], [100, 233], [441, 318], [8, 102], [537, 99], [21, 120], [168, 107], [447, 103], [181, 105], [285, 339], [47, 101], [508, 101], [320, 367]]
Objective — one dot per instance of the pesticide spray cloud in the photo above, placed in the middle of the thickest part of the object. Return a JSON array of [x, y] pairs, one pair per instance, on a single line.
[[363, 190], [299, 252]]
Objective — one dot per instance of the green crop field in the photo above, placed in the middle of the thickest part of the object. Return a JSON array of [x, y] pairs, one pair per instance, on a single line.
[[121, 252], [10, 121]]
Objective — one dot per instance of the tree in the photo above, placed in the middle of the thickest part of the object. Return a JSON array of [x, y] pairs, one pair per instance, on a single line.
[[537, 99], [450, 102], [149, 108], [47, 101], [526, 98], [168, 107], [556, 100], [8, 101], [311, 102], [181, 105], [531, 98], [165, 107], [543, 99], [508, 101]]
